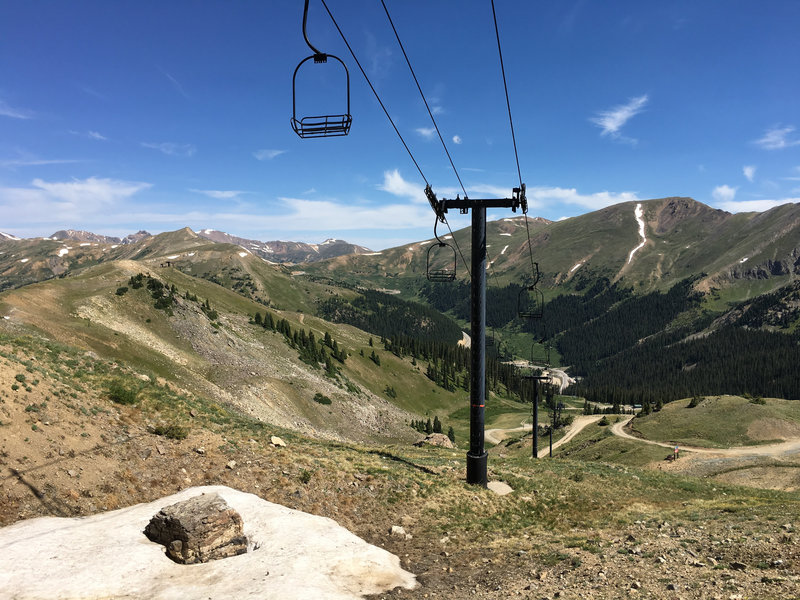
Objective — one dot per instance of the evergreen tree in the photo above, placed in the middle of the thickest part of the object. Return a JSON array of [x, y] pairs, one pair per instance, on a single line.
[[451, 434], [429, 426], [437, 425]]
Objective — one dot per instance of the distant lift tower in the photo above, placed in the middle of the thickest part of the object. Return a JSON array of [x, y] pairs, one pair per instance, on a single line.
[[477, 456]]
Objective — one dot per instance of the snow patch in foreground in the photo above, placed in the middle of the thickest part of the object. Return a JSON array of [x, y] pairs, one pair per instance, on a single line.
[[291, 555], [744, 259], [174, 256], [243, 254], [639, 214], [503, 251], [63, 251], [575, 266]]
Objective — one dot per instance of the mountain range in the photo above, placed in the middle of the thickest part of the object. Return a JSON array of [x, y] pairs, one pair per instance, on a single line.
[[625, 288]]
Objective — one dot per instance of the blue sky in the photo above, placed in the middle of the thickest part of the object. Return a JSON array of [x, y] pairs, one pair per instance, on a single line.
[[118, 115]]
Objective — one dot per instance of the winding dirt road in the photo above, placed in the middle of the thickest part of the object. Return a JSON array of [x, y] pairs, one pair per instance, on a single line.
[[780, 449], [495, 436]]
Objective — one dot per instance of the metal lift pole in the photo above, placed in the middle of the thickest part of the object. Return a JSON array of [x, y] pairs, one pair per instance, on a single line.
[[477, 456], [535, 418]]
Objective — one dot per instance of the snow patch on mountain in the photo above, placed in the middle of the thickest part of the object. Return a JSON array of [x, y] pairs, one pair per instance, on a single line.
[[639, 214], [576, 266]]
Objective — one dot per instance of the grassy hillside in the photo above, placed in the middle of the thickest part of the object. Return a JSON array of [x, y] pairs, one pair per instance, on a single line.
[[70, 445], [712, 423]]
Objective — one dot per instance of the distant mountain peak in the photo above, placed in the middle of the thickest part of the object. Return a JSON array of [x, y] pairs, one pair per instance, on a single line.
[[280, 251], [8, 236]]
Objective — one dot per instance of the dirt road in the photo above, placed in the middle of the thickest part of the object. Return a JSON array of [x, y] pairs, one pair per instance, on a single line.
[[779, 449], [495, 436]]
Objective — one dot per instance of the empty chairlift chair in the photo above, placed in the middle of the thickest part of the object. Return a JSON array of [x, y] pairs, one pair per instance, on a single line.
[[331, 125], [441, 260]]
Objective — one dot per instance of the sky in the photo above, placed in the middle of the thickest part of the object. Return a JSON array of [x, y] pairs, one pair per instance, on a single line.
[[118, 116]]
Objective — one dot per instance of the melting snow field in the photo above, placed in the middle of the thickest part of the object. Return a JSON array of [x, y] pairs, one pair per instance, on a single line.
[[63, 251], [291, 556], [639, 214]]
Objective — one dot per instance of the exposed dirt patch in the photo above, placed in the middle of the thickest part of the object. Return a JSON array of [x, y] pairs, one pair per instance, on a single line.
[[770, 478], [773, 429]]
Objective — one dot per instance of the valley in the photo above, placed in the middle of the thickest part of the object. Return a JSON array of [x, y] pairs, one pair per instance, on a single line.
[[132, 371]]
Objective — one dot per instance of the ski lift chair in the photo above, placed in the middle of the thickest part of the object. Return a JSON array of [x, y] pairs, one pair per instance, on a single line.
[[322, 125], [530, 303], [441, 252]]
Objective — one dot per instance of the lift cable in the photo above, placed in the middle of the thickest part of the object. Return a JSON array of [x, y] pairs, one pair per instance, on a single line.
[[513, 136], [377, 97], [388, 116], [430, 112]]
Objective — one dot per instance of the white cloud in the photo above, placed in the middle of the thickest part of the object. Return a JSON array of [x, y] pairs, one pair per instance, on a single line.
[[724, 193], [35, 162], [394, 183], [457, 139], [14, 113], [265, 154], [613, 120], [63, 203], [547, 196], [749, 172], [426, 132], [778, 138], [219, 194], [172, 149], [754, 205]]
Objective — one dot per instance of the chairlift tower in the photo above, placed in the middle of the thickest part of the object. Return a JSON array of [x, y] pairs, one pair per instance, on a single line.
[[477, 457]]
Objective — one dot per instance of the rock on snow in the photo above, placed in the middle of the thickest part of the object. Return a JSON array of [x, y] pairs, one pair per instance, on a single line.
[[291, 555]]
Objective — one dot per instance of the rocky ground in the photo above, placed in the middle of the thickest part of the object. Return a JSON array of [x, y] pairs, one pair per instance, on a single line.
[[67, 450]]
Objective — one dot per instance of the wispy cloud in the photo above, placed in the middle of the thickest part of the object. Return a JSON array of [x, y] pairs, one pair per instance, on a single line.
[[749, 172], [724, 194], [94, 135], [35, 162], [173, 149], [267, 154], [457, 139], [426, 132], [66, 202], [14, 113], [613, 120], [394, 183], [175, 83], [220, 194], [754, 205], [548, 196], [778, 138], [379, 57]]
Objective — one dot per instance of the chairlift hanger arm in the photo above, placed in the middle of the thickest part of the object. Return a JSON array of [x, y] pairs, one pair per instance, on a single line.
[[322, 56]]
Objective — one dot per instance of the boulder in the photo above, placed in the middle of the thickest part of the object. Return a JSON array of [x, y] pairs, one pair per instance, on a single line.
[[436, 439], [198, 530]]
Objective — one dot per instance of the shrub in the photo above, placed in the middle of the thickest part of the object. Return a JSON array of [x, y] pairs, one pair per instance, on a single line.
[[694, 402], [121, 394], [603, 422], [121, 290], [321, 398], [758, 400], [305, 476], [20, 377], [171, 431]]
